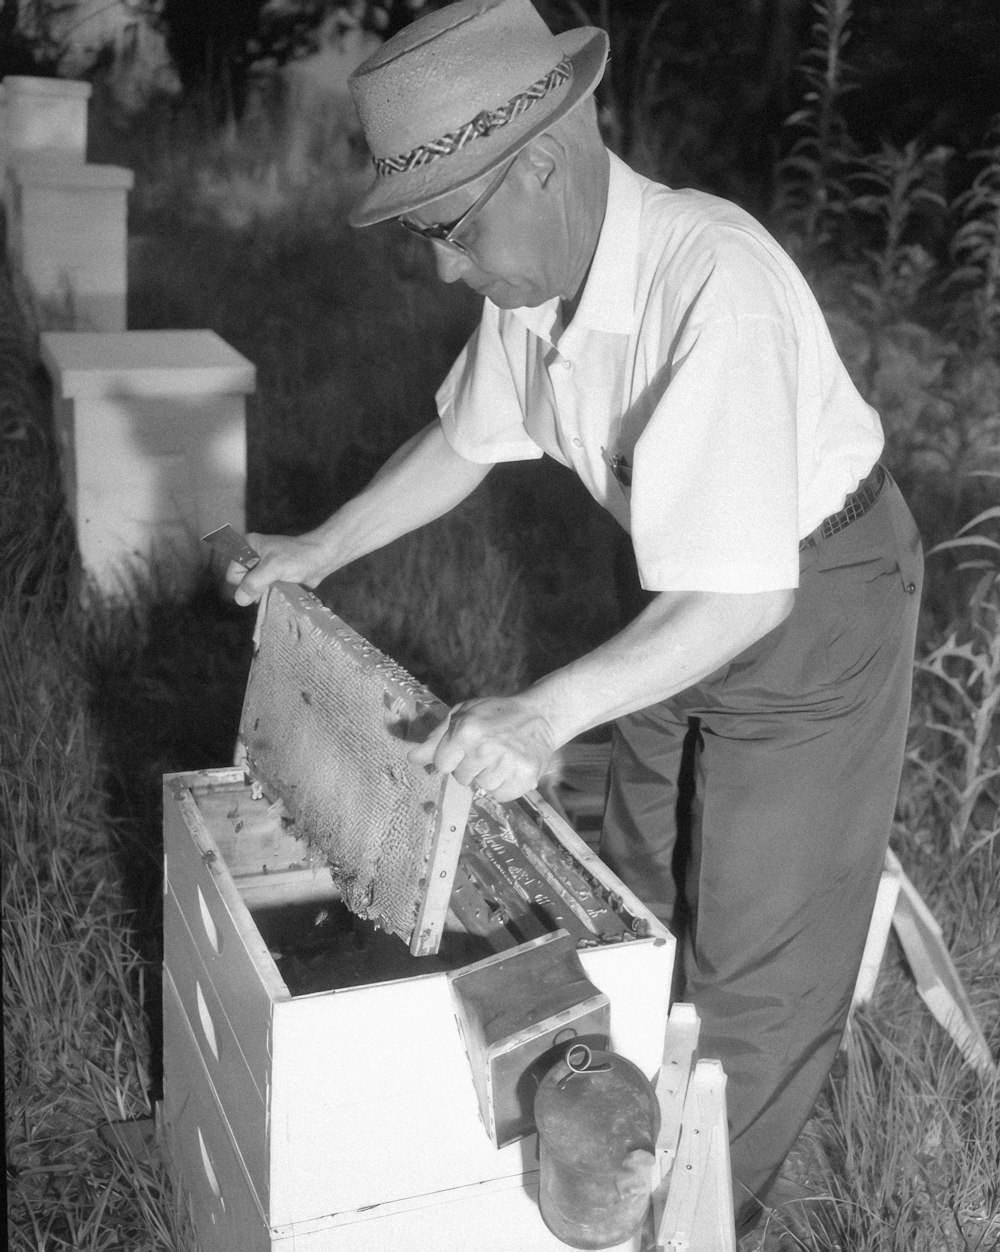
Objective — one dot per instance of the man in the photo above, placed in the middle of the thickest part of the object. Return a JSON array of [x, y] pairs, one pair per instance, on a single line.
[[662, 345]]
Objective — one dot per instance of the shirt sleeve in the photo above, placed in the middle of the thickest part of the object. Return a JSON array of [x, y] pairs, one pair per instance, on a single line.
[[481, 413], [714, 502]]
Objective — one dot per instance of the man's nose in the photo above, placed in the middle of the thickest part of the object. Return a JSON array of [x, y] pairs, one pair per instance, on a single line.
[[451, 264]]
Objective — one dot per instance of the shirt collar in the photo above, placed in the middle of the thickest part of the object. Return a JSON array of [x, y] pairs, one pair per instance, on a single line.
[[608, 299]]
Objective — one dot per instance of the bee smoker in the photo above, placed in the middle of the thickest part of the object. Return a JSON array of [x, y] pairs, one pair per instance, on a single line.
[[598, 1119]]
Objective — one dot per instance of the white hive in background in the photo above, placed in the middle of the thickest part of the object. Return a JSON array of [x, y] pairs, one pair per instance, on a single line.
[[47, 116], [40, 117], [152, 434], [67, 241]]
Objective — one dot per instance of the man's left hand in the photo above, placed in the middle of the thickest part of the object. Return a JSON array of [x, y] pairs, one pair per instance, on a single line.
[[500, 744]]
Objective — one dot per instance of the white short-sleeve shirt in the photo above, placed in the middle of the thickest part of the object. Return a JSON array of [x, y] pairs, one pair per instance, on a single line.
[[697, 392]]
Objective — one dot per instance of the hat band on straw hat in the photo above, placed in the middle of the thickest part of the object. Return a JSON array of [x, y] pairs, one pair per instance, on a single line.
[[481, 126]]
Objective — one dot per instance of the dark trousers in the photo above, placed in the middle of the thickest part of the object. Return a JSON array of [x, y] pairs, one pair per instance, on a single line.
[[752, 812]]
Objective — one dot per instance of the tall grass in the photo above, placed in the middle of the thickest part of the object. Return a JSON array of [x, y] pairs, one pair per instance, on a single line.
[[76, 987]]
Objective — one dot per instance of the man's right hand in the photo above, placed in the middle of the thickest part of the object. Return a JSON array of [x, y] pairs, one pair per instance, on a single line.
[[283, 558]]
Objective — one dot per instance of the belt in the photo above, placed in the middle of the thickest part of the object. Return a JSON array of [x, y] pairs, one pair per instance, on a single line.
[[856, 505]]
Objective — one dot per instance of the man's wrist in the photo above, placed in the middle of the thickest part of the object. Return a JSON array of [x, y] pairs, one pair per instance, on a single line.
[[551, 699]]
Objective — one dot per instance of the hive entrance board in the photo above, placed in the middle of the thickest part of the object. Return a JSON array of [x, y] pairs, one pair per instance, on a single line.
[[327, 723]]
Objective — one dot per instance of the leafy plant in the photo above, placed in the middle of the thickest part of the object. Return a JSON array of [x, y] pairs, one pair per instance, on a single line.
[[957, 745], [812, 191], [975, 249], [631, 91], [903, 186]]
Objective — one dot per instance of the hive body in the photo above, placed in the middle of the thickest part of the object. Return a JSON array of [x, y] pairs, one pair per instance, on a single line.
[[318, 1090]]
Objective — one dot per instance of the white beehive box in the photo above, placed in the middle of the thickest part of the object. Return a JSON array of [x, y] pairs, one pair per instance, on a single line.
[[152, 438], [346, 1117], [67, 240], [47, 115]]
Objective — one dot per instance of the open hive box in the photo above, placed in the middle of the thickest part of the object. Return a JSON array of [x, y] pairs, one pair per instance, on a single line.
[[367, 968]]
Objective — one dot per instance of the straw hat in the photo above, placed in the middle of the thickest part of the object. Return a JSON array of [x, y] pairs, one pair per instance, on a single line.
[[456, 93]]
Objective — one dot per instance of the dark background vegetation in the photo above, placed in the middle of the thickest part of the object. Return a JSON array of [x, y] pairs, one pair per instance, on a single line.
[[718, 76]]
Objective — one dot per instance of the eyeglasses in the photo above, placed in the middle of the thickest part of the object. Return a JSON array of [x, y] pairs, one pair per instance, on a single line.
[[445, 232]]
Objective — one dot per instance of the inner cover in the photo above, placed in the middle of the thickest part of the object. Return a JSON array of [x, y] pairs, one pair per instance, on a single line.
[[327, 723]]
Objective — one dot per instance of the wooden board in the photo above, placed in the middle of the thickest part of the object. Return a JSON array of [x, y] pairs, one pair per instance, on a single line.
[[698, 1216], [937, 980]]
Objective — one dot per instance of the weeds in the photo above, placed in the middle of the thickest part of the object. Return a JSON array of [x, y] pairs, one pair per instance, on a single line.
[[913, 1146], [975, 249], [813, 193], [903, 187], [77, 1052], [956, 744]]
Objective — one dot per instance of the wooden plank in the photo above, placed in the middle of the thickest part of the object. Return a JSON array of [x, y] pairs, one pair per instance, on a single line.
[[938, 983], [680, 1045], [699, 1212], [373, 1083], [241, 1092], [252, 833], [878, 936], [442, 863], [636, 979], [226, 1213], [239, 966]]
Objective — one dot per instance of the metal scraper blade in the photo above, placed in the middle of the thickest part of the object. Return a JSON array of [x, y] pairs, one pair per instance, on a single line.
[[233, 546]]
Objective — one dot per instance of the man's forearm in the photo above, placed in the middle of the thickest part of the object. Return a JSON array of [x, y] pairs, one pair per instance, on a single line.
[[503, 744], [421, 481], [679, 639]]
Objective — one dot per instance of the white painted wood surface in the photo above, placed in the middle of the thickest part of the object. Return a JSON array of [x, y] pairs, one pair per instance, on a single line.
[[680, 1046], [878, 935], [236, 959], [242, 1088], [356, 1082], [152, 436], [47, 115], [147, 363], [449, 830], [937, 979], [67, 241], [500, 1215], [698, 1216]]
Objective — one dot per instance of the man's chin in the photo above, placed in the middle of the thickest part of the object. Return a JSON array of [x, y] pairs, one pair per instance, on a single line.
[[507, 298]]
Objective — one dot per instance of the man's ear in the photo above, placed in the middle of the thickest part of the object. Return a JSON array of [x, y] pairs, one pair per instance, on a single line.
[[543, 157]]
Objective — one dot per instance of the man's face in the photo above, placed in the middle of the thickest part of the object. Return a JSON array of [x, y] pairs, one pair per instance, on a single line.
[[512, 250]]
